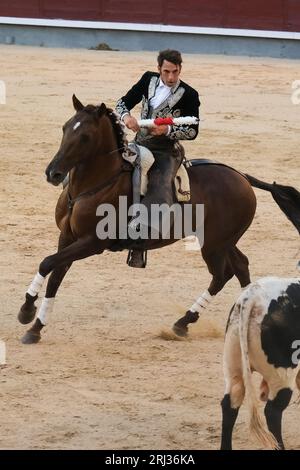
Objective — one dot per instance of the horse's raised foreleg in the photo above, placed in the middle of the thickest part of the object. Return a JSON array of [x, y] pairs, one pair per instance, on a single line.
[[57, 265], [28, 309], [221, 269], [33, 335], [79, 249]]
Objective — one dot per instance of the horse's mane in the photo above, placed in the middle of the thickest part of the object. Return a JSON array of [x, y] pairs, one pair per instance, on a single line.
[[117, 124], [118, 127]]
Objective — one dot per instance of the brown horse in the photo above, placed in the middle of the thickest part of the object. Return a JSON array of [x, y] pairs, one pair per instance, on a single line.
[[91, 150]]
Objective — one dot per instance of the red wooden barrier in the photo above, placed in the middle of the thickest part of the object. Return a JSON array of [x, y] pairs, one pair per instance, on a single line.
[[278, 15]]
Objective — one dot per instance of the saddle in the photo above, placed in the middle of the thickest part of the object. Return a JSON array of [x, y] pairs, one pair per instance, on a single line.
[[142, 159]]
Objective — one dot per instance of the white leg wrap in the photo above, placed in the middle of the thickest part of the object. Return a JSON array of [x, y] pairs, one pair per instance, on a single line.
[[45, 309], [36, 285], [202, 302]]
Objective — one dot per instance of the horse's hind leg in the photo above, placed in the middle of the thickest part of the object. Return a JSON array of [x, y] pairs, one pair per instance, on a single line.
[[33, 335], [220, 267], [240, 266]]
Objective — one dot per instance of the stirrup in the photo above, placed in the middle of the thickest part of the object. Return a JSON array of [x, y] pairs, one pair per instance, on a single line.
[[134, 225], [137, 258]]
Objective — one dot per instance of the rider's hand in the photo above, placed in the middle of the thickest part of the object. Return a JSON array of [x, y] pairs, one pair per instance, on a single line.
[[159, 130], [131, 123]]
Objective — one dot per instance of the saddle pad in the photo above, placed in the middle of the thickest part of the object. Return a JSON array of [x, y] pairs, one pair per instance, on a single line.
[[206, 162], [182, 184]]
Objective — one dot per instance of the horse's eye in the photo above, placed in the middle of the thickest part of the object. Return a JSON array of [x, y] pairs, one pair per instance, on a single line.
[[84, 138]]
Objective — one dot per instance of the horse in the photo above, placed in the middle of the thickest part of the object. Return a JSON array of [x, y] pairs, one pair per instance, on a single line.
[[91, 153]]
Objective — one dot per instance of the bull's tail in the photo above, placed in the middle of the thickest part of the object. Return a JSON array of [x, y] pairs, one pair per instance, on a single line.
[[257, 426], [287, 198]]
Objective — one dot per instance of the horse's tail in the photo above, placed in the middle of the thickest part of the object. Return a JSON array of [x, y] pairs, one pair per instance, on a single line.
[[287, 198]]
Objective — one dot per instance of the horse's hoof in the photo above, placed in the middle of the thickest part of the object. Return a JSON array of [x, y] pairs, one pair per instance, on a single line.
[[26, 315], [31, 338], [180, 330]]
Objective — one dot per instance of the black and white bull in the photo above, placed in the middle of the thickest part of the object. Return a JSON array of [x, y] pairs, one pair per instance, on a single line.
[[262, 335]]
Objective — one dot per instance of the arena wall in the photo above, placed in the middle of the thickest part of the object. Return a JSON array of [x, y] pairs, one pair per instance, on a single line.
[[269, 28]]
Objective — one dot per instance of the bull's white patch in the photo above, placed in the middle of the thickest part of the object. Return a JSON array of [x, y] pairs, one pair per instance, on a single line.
[[76, 125]]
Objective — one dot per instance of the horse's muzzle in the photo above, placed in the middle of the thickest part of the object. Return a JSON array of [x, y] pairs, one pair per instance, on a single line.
[[55, 177]]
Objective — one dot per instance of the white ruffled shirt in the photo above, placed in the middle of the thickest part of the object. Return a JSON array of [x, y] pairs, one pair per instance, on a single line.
[[162, 92]]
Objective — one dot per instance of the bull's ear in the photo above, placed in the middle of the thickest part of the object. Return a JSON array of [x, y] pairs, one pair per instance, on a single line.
[[78, 106], [101, 109]]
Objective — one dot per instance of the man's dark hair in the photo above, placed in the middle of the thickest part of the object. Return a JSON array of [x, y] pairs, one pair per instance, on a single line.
[[169, 55]]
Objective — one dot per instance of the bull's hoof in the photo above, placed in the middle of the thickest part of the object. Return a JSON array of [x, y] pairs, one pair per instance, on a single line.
[[31, 338], [180, 330], [26, 314]]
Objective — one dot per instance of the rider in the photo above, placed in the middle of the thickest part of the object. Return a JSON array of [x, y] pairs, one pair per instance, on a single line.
[[162, 94]]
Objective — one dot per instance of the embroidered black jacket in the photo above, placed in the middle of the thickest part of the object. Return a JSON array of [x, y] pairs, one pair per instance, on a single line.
[[183, 101]]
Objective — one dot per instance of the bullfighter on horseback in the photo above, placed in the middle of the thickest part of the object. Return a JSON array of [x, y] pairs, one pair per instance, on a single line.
[[91, 151], [162, 94]]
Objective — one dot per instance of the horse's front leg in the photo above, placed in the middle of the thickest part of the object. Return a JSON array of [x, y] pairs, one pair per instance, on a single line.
[[57, 264], [33, 335], [28, 309]]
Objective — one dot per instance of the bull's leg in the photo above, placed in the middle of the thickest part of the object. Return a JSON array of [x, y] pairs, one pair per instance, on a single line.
[[273, 412], [229, 415], [57, 264], [234, 384], [221, 270]]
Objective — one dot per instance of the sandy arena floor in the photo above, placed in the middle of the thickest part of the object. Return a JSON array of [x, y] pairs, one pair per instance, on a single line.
[[102, 377]]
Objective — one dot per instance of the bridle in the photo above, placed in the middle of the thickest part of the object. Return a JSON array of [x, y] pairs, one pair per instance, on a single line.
[[126, 167]]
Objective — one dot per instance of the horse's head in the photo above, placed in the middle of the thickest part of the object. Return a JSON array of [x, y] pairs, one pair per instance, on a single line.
[[80, 140]]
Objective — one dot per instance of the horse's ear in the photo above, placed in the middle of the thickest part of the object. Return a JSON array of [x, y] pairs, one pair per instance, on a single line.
[[101, 110], [78, 106]]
